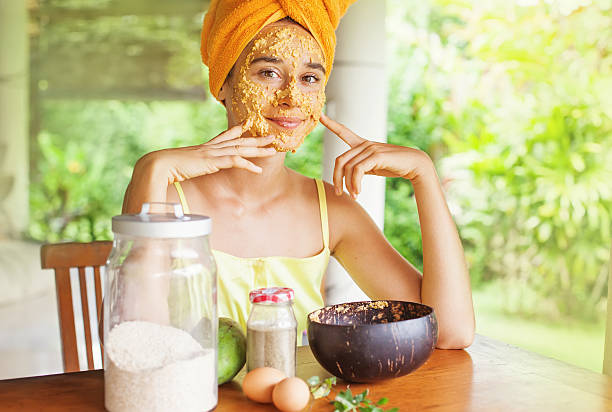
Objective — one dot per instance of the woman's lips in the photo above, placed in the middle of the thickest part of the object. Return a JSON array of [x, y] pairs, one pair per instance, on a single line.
[[286, 122]]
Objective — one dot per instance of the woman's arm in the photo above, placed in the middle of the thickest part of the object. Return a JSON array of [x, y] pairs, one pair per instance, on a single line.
[[149, 183], [375, 265], [446, 281]]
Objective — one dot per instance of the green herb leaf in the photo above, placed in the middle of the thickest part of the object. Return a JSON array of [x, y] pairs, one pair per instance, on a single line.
[[359, 398], [346, 402], [346, 396], [330, 381], [320, 391], [382, 401], [313, 380]]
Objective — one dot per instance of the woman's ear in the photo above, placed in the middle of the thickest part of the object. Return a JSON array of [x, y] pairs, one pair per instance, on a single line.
[[222, 96]]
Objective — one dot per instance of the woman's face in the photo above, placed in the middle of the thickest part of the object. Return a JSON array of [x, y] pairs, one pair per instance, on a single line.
[[277, 85]]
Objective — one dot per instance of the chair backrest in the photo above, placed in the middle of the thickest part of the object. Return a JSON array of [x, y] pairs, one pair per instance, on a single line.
[[62, 257]]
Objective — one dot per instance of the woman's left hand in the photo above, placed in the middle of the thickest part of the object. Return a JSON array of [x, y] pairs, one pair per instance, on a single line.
[[373, 158]]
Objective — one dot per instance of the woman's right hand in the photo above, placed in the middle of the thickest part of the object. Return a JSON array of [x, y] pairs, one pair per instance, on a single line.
[[227, 150], [155, 171]]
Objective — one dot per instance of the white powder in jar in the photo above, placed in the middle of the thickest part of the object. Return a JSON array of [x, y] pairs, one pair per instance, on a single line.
[[152, 367]]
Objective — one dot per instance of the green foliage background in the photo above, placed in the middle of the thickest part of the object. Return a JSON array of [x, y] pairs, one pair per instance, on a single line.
[[510, 99]]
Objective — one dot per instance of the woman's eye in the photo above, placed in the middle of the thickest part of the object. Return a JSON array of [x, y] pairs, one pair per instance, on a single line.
[[310, 78], [269, 73]]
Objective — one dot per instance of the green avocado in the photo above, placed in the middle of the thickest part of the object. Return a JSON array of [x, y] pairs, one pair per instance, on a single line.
[[232, 350]]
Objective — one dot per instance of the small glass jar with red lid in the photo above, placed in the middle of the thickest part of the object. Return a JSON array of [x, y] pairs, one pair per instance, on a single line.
[[272, 330]]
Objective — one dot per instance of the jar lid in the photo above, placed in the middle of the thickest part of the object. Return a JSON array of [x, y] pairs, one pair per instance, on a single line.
[[274, 294], [162, 225]]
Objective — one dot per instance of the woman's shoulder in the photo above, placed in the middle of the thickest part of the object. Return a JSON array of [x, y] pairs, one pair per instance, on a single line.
[[338, 203], [345, 215], [305, 184]]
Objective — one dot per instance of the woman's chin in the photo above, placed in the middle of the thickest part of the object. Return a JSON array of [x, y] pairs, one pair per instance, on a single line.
[[285, 143], [290, 140]]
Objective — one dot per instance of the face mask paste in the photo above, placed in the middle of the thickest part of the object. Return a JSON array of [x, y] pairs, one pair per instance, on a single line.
[[253, 101]]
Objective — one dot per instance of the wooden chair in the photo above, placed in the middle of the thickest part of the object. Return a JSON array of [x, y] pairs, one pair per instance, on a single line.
[[62, 257]]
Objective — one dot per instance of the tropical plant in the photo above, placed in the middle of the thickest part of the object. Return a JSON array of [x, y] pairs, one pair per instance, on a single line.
[[522, 119]]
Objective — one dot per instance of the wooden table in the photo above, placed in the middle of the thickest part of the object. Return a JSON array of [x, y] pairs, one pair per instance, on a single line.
[[489, 376]]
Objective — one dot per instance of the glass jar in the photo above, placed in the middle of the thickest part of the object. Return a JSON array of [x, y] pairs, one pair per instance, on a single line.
[[160, 313], [272, 330]]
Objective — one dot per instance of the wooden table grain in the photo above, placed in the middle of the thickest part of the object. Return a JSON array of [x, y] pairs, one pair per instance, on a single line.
[[488, 376]]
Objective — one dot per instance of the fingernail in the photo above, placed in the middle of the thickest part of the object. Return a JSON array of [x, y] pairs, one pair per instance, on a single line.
[[270, 149], [338, 192]]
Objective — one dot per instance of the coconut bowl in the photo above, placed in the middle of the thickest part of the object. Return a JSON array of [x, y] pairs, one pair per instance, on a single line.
[[372, 341]]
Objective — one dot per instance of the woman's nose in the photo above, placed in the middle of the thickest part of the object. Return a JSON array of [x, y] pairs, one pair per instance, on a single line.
[[286, 96]]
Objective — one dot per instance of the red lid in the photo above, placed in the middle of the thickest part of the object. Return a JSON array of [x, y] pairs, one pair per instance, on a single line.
[[274, 294]]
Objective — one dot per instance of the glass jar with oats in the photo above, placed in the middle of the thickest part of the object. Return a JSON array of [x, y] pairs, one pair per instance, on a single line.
[[160, 313], [272, 330]]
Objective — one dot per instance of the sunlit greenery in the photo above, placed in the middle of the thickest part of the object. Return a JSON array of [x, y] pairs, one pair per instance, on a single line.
[[512, 100]]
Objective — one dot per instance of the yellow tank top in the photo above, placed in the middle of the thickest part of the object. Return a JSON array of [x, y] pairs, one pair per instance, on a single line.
[[237, 276]]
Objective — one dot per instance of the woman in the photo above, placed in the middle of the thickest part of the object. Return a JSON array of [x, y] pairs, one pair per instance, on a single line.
[[268, 66]]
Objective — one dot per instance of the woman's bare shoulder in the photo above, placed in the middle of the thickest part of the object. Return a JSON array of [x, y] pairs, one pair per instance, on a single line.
[[339, 203], [345, 215]]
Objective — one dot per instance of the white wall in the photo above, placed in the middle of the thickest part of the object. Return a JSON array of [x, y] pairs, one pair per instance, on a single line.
[[357, 97]]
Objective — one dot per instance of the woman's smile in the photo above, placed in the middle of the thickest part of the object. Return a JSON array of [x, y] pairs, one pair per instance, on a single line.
[[286, 122]]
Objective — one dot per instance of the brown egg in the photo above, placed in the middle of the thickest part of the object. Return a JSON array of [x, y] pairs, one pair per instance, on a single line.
[[258, 384], [291, 395]]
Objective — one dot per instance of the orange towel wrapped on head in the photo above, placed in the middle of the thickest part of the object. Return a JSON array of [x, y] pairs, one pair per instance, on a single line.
[[229, 25]]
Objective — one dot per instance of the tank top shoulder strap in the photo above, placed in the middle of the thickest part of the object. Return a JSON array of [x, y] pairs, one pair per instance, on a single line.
[[182, 198], [323, 210]]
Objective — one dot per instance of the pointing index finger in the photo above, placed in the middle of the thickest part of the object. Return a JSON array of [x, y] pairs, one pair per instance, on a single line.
[[340, 130]]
